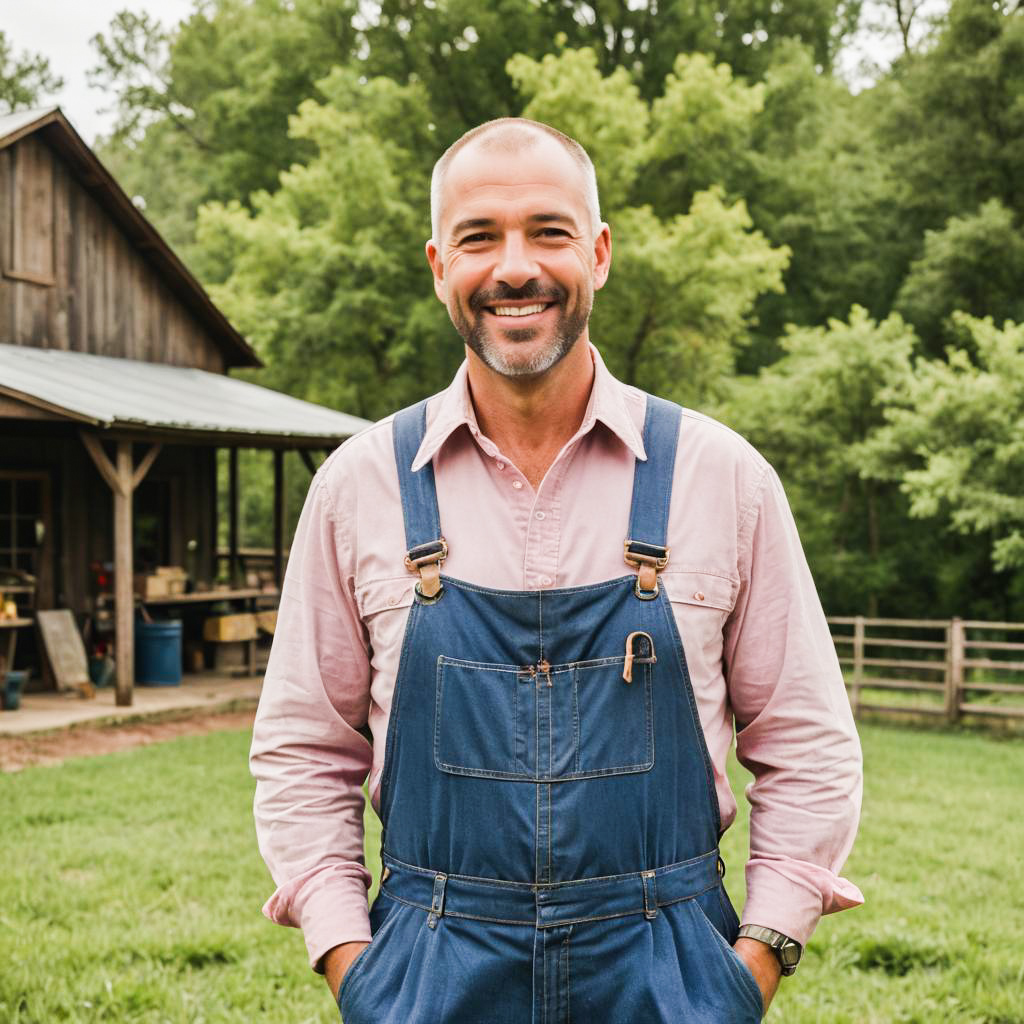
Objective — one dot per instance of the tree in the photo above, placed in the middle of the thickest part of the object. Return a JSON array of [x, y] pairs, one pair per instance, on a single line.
[[975, 265], [24, 78], [203, 108], [810, 413], [817, 180], [326, 275], [677, 306], [701, 130], [954, 439], [953, 116], [676, 309]]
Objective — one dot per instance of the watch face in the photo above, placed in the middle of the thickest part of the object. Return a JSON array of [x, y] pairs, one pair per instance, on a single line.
[[789, 954]]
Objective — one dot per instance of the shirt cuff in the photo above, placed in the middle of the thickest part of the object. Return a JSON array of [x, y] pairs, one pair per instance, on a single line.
[[330, 908], [790, 896]]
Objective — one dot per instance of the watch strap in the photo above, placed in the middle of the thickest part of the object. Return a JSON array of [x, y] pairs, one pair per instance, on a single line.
[[787, 951]]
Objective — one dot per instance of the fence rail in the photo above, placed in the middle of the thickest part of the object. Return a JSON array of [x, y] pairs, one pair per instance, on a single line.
[[935, 667]]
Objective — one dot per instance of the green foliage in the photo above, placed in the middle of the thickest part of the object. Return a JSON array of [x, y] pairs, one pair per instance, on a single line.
[[810, 413], [954, 117], [818, 181], [605, 114], [324, 275], [206, 105], [25, 78], [675, 310], [974, 265], [955, 438], [700, 130]]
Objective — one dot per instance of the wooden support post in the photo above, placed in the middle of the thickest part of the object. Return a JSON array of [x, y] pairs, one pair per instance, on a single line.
[[955, 669], [124, 590], [279, 523], [233, 517], [122, 477], [308, 461], [858, 661]]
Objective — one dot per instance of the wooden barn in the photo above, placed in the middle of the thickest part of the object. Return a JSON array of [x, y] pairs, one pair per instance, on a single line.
[[115, 397]]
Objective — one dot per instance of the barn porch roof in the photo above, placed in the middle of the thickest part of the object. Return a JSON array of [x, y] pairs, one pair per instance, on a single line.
[[169, 402]]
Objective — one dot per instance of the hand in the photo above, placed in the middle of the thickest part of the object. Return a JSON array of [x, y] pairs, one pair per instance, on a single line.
[[337, 961], [764, 966]]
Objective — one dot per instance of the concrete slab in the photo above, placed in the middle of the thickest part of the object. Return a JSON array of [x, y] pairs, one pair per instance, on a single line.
[[42, 712]]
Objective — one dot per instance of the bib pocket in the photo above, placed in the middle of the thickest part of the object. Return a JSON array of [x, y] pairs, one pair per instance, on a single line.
[[547, 723]]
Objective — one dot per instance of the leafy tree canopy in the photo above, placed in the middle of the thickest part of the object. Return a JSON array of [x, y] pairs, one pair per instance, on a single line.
[[25, 78], [954, 438], [974, 265], [809, 414]]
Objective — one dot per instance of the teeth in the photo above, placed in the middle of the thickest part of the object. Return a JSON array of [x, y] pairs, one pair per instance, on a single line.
[[518, 310]]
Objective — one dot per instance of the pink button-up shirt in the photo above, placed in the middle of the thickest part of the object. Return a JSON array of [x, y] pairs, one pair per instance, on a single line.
[[756, 641]]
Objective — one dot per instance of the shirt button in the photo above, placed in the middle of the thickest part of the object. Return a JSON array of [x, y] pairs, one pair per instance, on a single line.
[[517, 484], [539, 515], [546, 580], [392, 601], [501, 465], [699, 595]]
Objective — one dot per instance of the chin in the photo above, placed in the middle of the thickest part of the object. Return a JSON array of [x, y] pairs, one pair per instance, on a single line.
[[510, 360]]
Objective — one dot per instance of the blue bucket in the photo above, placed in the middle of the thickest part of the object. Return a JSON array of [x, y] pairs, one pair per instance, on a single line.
[[158, 653], [13, 682]]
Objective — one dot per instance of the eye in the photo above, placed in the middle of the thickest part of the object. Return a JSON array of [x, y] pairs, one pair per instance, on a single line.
[[553, 233], [478, 236]]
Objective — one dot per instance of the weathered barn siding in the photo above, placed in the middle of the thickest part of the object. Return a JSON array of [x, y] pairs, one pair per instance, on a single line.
[[70, 278], [80, 527]]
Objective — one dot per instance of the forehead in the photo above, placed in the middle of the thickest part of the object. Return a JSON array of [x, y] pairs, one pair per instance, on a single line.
[[499, 183]]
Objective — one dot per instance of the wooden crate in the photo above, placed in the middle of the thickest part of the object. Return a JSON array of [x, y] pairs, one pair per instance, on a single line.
[[221, 629]]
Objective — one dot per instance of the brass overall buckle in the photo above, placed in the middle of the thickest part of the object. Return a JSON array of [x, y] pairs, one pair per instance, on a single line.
[[649, 560], [426, 559]]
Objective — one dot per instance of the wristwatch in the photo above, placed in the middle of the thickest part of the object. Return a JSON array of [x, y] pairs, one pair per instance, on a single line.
[[788, 951]]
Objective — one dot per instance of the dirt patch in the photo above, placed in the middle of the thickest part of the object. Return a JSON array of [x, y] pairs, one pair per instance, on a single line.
[[17, 752]]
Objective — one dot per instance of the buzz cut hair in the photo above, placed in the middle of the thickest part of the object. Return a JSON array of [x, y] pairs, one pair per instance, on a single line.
[[513, 134]]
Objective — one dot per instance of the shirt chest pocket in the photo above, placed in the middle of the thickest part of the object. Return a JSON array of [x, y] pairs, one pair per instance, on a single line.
[[541, 724], [701, 603], [384, 608]]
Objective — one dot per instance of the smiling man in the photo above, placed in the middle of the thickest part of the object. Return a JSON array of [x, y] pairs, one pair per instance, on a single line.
[[551, 599]]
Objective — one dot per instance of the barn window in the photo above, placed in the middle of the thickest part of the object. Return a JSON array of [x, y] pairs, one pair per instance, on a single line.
[[30, 254], [23, 519]]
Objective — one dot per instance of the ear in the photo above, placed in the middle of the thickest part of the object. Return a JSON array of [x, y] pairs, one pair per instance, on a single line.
[[437, 269], [602, 256]]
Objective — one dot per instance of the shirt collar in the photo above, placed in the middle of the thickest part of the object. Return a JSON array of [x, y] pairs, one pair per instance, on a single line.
[[454, 409]]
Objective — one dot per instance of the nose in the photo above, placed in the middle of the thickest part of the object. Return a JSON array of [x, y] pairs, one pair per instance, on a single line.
[[515, 264]]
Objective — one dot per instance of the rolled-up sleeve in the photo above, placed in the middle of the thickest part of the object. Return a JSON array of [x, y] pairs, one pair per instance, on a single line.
[[308, 757], [795, 730]]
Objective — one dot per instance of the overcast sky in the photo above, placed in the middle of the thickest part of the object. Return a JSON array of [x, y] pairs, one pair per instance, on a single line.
[[61, 30]]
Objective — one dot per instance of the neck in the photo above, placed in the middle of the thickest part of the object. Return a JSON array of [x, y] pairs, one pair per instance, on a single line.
[[531, 419]]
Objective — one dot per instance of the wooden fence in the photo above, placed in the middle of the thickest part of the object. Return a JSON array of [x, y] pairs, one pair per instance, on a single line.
[[946, 668]]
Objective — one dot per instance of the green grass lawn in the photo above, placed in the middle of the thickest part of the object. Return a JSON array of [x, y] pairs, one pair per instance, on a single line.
[[130, 891]]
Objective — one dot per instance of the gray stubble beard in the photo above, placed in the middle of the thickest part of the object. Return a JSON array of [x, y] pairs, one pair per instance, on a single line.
[[569, 330]]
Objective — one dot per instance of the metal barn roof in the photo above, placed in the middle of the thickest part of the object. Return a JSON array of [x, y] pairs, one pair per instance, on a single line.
[[152, 398]]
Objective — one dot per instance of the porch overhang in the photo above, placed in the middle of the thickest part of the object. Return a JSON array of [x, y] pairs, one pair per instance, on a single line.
[[132, 400]]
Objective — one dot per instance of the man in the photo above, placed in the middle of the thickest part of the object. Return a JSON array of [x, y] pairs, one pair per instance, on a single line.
[[550, 722]]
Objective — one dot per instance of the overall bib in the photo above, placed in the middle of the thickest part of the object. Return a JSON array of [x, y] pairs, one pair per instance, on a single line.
[[550, 820]]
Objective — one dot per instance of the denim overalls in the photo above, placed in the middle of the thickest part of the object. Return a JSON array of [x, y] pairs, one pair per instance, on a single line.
[[550, 820]]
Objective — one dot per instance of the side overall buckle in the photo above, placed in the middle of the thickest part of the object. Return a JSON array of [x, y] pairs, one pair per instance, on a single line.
[[426, 559], [649, 560]]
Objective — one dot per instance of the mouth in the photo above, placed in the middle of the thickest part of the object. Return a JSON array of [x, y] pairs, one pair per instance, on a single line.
[[520, 312]]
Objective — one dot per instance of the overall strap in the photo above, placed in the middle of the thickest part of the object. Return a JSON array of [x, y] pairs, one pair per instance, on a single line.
[[426, 547], [652, 494]]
